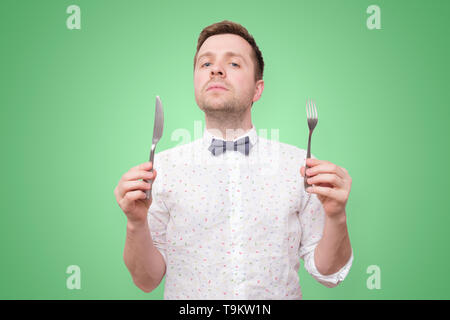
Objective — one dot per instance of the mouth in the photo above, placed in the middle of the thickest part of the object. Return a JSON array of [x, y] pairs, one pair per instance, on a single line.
[[216, 87]]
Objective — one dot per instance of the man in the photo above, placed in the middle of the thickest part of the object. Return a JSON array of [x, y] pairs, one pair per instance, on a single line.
[[230, 219]]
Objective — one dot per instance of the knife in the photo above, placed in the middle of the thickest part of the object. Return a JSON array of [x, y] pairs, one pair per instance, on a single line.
[[157, 133]]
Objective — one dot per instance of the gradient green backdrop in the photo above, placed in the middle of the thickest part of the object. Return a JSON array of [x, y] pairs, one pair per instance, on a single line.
[[77, 112]]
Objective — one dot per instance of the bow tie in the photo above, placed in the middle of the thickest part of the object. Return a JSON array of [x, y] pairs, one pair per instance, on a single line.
[[242, 145]]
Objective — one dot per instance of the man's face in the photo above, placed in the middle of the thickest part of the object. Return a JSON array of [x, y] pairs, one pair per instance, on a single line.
[[224, 75]]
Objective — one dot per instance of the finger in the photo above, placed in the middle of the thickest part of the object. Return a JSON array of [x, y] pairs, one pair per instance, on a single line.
[[138, 174], [130, 197], [302, 171], [326, 192], [133, 176], [327, 178], [325, 167], [319, 168], [128, 186], [310, 162], [146, 166], [135, 195]]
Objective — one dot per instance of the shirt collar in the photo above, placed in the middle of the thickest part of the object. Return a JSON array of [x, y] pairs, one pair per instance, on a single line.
[[208, 136]]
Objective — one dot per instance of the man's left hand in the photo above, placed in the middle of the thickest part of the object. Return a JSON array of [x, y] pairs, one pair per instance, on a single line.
[[331, 183]]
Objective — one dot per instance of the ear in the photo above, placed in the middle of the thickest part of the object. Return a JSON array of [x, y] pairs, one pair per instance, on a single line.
[[259, 88]]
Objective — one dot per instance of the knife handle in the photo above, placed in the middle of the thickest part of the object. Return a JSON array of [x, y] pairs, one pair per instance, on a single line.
[[148, 193]]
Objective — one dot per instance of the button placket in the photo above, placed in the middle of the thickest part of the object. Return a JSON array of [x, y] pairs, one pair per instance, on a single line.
[[236, 231]]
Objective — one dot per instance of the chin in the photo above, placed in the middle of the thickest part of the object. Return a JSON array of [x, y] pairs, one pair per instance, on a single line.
[[220, 104], [214, 108], [215, 103]]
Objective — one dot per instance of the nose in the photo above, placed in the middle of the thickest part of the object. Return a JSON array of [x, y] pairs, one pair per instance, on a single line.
[[217, 70]]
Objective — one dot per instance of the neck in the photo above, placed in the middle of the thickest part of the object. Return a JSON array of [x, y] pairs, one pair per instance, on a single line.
[[228, 126]]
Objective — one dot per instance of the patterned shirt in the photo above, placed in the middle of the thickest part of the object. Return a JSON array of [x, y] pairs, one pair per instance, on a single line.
[[233, 226]]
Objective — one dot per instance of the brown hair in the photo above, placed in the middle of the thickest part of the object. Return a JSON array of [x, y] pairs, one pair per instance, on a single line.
[[227, 26]]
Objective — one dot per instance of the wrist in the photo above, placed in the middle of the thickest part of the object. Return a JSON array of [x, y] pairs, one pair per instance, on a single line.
[[338, 219], [136, 225]]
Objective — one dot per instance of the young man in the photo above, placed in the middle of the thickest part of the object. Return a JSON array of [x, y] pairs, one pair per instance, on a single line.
[[229, 217]]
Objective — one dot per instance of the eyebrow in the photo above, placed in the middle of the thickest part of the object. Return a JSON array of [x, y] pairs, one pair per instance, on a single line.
[[228, 54]]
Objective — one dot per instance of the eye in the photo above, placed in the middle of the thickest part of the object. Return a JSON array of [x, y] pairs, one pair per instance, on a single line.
[[206, 63], [235, 64]]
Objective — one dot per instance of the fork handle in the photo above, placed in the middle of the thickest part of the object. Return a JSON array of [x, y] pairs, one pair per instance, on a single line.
[[308, 155]]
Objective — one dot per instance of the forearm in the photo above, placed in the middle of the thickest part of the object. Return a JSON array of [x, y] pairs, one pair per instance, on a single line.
[[334, 249], [142, 258]]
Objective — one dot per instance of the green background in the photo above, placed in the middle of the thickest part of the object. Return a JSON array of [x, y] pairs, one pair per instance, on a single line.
[[77, 112]]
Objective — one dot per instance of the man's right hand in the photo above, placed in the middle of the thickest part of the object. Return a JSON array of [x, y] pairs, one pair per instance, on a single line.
[[130, 192]]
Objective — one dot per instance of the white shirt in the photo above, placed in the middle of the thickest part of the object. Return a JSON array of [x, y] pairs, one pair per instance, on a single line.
[[232, 226]]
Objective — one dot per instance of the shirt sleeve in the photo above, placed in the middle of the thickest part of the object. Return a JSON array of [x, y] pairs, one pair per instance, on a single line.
[[158, 214], [312, 221]]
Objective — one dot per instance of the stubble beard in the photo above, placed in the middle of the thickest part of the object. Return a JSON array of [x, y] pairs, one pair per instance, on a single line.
[[228, 110]]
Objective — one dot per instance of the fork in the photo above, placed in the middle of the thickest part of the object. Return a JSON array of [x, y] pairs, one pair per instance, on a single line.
[[311, 116]]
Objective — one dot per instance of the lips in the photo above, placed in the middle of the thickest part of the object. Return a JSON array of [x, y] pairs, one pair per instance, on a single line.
[[216, 87]]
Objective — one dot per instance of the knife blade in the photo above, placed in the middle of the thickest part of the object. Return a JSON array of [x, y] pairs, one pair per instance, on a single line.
[[157, 133]]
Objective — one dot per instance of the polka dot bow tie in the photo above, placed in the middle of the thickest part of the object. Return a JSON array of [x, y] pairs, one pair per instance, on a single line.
[[242, 145]]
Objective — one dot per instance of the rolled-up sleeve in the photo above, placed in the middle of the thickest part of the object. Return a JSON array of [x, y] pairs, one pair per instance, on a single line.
[[312, 221], [158, 215]]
